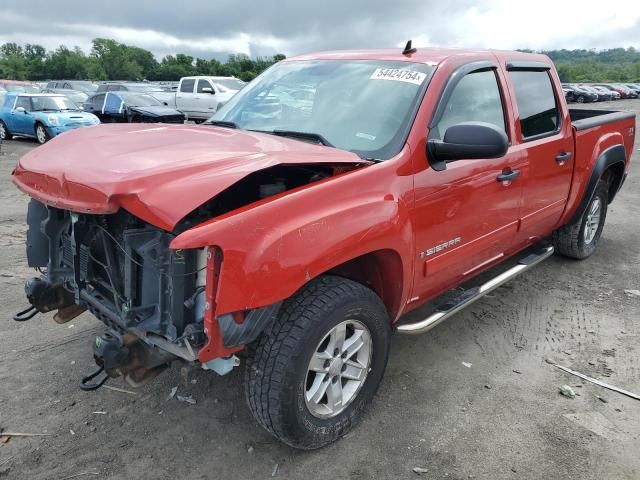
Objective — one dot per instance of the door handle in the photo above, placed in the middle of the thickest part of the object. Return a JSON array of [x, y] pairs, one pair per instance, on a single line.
[[561, 158], [508, 175]]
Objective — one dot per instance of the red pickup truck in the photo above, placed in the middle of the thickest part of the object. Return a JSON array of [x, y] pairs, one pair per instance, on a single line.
[[296, 228]]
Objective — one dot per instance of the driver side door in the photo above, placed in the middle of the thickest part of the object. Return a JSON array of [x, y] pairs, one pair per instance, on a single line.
[[22, 121], [465, 216]]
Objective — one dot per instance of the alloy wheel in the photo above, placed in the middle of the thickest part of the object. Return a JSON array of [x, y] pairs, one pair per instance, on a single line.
[[593, 220], [338, 369]]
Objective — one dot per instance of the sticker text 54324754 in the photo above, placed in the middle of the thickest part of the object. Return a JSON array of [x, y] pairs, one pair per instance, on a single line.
[[398, 75]]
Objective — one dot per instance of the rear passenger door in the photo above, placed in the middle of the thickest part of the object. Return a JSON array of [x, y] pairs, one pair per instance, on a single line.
[[184, 95], [544, 134]]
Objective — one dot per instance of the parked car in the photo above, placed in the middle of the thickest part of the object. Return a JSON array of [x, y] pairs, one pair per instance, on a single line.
[[633, 87], [76, 96], [18, 86], [40, 115], [581, 95], [131, 107], [201, 96], [139, 87], [611, 94], [623, 91], [304, 239], [78, 85], [629, 91], [603, 95]]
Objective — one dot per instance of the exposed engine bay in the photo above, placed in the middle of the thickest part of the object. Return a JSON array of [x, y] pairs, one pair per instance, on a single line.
[[151, 297]]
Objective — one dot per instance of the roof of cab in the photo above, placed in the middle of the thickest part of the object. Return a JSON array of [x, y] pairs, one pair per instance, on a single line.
[[429, 56]]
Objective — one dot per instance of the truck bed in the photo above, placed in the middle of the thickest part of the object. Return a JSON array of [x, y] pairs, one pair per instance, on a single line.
[[582, 119]]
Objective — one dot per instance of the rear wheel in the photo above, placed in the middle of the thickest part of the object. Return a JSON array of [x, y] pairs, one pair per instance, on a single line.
[[580, 99], [311, 375], [4, 132], [41, 134], [580, 239]]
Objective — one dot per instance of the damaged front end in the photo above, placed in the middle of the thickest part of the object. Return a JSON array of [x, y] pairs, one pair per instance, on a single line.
[[121, 269]]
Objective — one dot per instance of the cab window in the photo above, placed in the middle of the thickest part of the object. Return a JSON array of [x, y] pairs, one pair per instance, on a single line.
[[537, 106], [24, 102], [202, 84], [187, 85], [476, 98]]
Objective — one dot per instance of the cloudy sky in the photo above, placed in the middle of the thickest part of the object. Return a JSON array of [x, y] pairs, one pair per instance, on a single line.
[[213, 28]]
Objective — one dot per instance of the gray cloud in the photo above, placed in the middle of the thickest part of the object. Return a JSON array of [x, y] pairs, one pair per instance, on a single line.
[[263, 27]]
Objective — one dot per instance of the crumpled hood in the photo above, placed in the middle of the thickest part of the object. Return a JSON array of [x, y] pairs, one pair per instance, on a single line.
[[160, 172], [156, 110]]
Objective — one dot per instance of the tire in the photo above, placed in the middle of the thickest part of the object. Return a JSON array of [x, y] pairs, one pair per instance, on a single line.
[[4, 132], [42, 136], [278, 380], [580, 239], [580, 99]]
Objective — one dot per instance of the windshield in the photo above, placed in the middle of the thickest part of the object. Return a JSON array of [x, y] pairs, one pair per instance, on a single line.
[[139, 100], [21, 88], [363, 106], [52, 103], [228, 84]]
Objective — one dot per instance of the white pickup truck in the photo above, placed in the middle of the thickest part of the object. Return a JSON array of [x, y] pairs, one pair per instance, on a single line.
[[200, 97]]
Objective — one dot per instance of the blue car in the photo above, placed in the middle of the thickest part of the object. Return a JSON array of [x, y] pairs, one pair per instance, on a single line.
[[40, 115]]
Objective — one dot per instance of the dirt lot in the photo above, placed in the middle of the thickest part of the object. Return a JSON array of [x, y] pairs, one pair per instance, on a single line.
[[502, 418]]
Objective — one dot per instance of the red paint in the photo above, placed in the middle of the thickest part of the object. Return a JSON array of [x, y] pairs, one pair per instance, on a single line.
[[157, 172], [369, 224]]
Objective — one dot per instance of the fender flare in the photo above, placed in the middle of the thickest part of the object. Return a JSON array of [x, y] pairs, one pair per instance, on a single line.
[[611, 156]]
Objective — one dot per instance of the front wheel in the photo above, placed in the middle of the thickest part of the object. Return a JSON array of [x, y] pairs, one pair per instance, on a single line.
[[311, 375], [580, 99], [4, 132], [41, 134], [580, 238]]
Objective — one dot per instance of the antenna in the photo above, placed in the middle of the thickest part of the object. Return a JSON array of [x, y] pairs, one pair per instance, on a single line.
[[408, 49]]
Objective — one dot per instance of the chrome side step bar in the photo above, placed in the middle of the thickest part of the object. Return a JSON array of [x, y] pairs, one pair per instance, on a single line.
[[469, 296]]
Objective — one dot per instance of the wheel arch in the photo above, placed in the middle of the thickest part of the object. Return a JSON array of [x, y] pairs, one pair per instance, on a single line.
[[610, 164], [382, 271]]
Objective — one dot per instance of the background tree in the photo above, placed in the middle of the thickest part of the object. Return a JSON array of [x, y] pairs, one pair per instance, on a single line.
[[111, 60]]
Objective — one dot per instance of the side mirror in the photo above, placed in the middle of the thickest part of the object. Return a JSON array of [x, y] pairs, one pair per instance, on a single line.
[[21, 109], [467, 141], [208, 90]]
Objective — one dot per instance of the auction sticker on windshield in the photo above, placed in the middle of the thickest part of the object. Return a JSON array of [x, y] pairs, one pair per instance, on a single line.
[[398, 75]]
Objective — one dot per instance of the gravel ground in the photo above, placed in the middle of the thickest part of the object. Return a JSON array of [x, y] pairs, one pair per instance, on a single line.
[[500, 418]]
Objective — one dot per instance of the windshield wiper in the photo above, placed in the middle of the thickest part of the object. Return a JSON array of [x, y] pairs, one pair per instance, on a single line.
[[314, 137], [221, 123]]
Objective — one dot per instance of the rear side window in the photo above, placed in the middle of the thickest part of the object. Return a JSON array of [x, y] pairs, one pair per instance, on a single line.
[[187, 85], [476, 98], [536, 101]]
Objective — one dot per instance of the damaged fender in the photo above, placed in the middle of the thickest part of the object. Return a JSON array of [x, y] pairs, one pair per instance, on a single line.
[[271, 249]]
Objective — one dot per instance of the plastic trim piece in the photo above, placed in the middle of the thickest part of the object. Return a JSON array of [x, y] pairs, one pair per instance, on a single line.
[[527, 65], [600, 118], [238, 334], [611, 156]]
